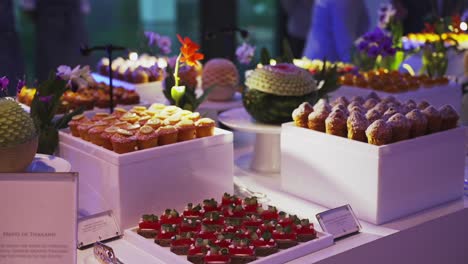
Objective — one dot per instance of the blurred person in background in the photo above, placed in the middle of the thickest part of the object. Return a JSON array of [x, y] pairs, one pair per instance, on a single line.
[[11, 58], [298, 16], [59, 28], [335, 25]]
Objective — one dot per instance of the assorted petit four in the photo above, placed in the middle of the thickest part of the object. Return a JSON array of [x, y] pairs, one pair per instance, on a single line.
[[232, 231], [87, 97], [374, 120], [390, 81], [141, 128], [143, 69]]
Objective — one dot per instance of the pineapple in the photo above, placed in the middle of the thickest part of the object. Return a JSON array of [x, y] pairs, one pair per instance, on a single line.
[[16, 126]]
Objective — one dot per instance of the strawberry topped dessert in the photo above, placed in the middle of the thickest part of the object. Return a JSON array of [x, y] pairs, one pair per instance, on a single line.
[[241, 251], [217, 255], [233, 231], [180, 244], [170, 217], [193, 211], [149, 226], [230, 199]]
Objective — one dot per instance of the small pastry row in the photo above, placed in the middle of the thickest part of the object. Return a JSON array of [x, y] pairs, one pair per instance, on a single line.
[[87, 97], [374, 120], [143, 70], [390, 81], [141, 128]]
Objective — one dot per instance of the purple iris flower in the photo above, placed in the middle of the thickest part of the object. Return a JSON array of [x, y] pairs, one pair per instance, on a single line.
[[374, 51], [4, 83]]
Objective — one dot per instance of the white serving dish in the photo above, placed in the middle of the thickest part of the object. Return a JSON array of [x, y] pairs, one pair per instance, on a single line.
[[151, 92], [324, 240], [149, 180], [381, 183], [437, 96]]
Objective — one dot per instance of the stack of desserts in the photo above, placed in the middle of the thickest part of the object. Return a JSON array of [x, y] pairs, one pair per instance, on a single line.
[[374, 120], [232, 231], [141, 70], [390, 81], [88, 97], [141, 128]]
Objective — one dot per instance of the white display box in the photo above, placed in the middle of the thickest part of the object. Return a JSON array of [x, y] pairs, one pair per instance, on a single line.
[[324, 240], [149, 181], [150, 92], [437, 96], [381, 183]]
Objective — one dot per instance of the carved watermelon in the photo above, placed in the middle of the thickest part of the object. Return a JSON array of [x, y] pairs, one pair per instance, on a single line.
[[273, 92]]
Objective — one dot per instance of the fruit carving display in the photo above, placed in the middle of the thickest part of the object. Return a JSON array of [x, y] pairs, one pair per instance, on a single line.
[[273, 91]]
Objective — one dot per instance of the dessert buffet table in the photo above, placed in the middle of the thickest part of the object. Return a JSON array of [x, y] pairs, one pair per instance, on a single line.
[[436, 235]]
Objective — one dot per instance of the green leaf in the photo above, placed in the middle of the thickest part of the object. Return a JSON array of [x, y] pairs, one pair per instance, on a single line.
[[288, 56], [265, 56]]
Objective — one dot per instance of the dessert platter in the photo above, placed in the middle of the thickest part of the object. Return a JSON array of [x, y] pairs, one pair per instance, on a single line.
[[389, 142], [403, 86], [141, 128], [138, 150], [145, 75], [232, 231], [94, 98]]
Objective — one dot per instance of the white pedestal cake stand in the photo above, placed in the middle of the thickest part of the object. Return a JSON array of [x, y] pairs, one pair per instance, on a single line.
[[265, 158]]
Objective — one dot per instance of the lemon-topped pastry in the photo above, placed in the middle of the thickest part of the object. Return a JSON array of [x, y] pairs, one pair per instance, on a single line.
[[167, 135], [119, 111], [105, 137], [171, 109], [123, 141], [186, 129], [205, 127], [99, 116], [150, 112], [74, 122], [156, 107], [147, 138], [155, 123], [132, 127], [142, 121], [193, 116], [183, 113], [139, 110], [130, 117], [172, 120]]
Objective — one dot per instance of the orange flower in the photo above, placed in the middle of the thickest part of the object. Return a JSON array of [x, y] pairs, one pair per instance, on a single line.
[[189, 51]]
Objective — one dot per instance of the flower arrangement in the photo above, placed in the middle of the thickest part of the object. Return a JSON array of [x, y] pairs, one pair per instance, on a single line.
[[382, 47], [46, 102], [180, 82], [435, 53]]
